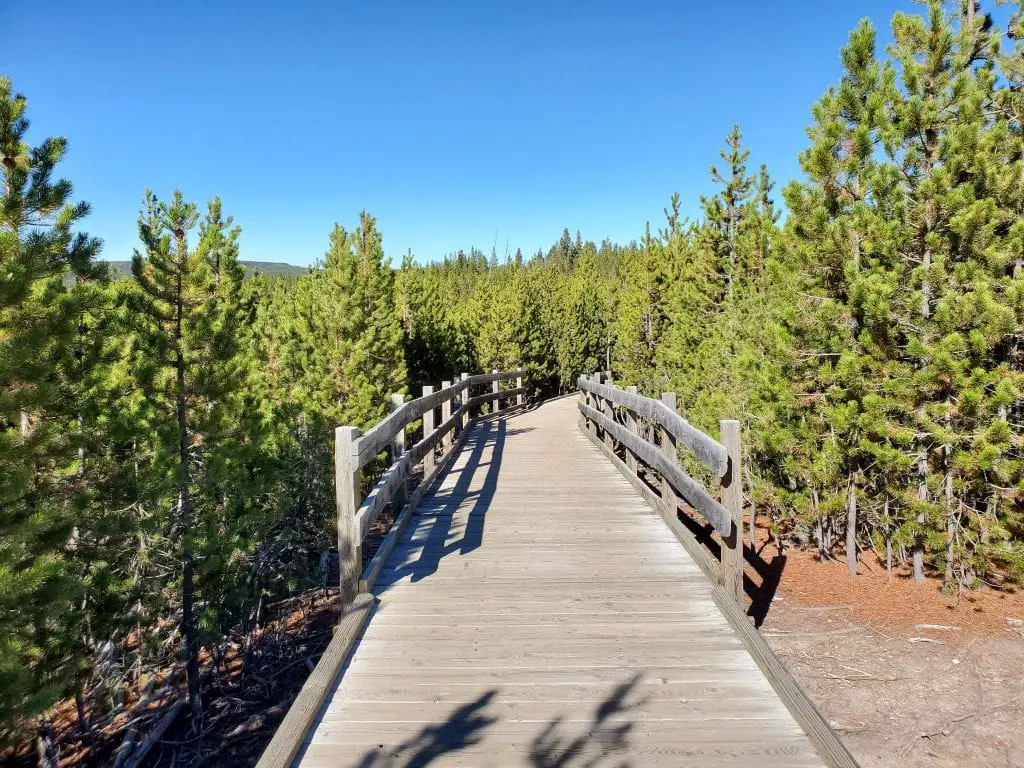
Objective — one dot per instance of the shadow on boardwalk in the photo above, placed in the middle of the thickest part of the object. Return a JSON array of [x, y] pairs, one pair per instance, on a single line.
[[558, 744], [441, 506]]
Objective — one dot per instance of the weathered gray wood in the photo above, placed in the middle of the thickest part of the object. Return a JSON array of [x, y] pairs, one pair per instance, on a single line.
[[668, 450], [488, 397], [446, 413], [384, 492], [384, 431], [377, 438], [732, 500], [520, 398], [464, 398], [372, 571], [346, 490], [691, 490], [694, 548], [428, 431], [425, 447], [609, 411], [631, 461], [290, 734], [704, 447], [828, 744], [571, 616], [398, 450], [495, 386]]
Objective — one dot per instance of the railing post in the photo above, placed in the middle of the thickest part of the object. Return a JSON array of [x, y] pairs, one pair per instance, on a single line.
[[428, 430], [521, 397], [609, 411], [346, 492], [732, 500], [596, 404], [446, 413], [397, 451], [496, 402], [668, 450], [631, 461], [465, 399]]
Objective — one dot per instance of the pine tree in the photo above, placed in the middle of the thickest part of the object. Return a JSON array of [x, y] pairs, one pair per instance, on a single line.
[[726, 211], [185, 355], [45, 268]]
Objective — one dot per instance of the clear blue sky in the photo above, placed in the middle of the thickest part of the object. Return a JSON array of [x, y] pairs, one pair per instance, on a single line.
[[449, 121]]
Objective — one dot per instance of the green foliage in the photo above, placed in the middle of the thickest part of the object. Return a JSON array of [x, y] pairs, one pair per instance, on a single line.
[[45, 267]]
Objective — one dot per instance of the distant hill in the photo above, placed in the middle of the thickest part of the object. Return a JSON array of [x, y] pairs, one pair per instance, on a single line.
[[269, 268]]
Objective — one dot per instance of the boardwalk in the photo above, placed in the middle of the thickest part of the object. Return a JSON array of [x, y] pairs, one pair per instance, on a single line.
[[536, 612]]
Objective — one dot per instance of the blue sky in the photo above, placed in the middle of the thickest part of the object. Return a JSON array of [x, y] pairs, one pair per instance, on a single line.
[[456, 124]]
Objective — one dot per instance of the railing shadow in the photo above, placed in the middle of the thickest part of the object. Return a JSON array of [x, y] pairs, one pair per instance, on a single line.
[[599, 742], [447, 504], [768, 571]]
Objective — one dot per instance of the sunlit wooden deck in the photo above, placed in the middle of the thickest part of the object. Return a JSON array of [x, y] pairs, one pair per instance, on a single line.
[[537, 612]]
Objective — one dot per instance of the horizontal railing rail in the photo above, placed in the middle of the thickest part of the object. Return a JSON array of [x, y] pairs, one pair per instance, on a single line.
[[650, 432], [353, 451]]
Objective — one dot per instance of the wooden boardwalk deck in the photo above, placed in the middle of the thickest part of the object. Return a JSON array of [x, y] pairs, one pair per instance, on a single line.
[[536, 612]]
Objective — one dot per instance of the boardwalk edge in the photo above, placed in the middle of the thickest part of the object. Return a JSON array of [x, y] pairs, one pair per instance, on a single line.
[[290, 735], [825, 740]]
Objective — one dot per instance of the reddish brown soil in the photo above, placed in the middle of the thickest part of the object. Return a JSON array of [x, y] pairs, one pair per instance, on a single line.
[[897, 691], [900, 605]]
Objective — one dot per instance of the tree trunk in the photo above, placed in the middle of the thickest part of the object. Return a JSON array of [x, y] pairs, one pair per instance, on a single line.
[[189, 630], [47, 755], [951, 518], [81, 712], [851, 527], [922, 495]]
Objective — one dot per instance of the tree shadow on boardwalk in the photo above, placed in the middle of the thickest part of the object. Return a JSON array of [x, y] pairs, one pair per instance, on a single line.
[[558, 744], [442, 506], [462, 729]]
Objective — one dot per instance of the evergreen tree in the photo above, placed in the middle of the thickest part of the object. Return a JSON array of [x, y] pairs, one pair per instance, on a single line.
[[45, 267], [185, 353]]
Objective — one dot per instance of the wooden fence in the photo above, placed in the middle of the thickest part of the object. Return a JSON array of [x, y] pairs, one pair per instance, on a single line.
[[353, 451], [650, 432]]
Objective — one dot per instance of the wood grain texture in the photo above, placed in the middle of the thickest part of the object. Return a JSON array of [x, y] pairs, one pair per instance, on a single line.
[[704, 447], [346, 496], [732, 500], [377, 438], [290, 734], [535, 611], [696, 495]]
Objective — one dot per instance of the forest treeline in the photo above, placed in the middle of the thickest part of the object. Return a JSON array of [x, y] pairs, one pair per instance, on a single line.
[[166, 439]]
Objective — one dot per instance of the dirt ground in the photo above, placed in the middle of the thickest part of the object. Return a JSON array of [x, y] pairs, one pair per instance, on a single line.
[[906, 676]]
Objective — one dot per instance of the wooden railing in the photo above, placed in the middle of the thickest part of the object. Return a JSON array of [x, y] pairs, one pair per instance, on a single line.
[[353, 451], [651, 432]]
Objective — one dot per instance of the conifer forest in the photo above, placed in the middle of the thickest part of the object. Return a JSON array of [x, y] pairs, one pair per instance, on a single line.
[[166, 436]]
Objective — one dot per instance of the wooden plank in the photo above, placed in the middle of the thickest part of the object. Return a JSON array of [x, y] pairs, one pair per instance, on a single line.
[[288, 738], [377, 438], [446, 414], [631, 461], [428, 433], [401, 494], [829, 746], [732, 500], [704, 447], [694, 548], [668, 450], [691, 490], [376, 564], [488, 397], [536, 601], [346, 494]]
